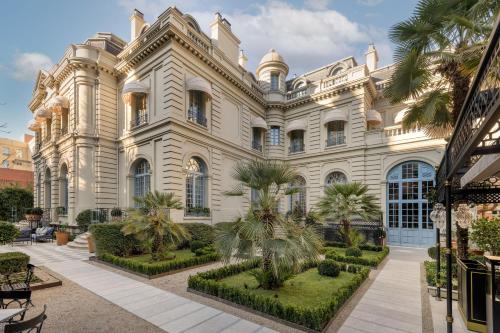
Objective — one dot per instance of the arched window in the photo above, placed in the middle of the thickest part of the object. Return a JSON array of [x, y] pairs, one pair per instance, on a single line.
[[407, 207], [64, 188], [196, 187], [335, 177], [336, 71], [47, 190], [142, 176], [298, 199]]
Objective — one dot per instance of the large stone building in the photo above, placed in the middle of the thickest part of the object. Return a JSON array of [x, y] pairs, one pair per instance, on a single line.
[[174, 110], [16, 167]]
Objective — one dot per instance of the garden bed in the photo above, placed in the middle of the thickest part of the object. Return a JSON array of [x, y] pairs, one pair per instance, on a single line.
[[371, 256], [309, 299], [143, 266]]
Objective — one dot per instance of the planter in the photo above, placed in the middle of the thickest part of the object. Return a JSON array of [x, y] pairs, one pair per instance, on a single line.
[[62, 238], [471, 276], [493, 294], [91, 243]]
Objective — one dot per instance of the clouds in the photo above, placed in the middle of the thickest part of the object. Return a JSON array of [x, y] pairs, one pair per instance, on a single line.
[[370, 2], [26, 65]]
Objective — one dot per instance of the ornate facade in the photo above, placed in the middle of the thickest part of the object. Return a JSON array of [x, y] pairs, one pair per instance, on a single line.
[[174, 110]]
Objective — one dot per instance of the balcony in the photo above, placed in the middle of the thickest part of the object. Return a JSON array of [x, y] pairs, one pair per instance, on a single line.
[[335, 141], [139, 121], [296, 147], [197, 116], [256, 145], [296, 94]]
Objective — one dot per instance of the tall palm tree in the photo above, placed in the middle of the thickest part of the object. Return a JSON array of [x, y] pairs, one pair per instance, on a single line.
[[343, 202], [151, 222], [437, 51], [264, 231]]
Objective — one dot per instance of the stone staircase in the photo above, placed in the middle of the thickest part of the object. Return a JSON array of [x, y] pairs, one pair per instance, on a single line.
[[80, 242]]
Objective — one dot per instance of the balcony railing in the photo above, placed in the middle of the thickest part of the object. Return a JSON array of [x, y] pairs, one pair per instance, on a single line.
[[63, 130], [399, 130], [256, 145], [139, 120], [335, 141], [296, 147], [197, 116], [296, 93]]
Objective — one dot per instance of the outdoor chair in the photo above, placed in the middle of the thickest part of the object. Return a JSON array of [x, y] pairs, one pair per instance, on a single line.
[[43, 234], [31, 325], [24, 285], [14, 298], [24, 236]]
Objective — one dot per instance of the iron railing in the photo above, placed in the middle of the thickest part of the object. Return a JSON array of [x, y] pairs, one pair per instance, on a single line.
[[195, 115], [139, 120], [256, 145], [335, 141], [296, 147]]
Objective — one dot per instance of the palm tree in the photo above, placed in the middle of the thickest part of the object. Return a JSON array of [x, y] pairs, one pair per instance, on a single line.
[[151, 222], [343, 202], [282, 243], [437, 51]]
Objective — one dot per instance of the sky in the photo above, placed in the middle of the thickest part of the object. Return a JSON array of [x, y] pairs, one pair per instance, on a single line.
[[308, 34]]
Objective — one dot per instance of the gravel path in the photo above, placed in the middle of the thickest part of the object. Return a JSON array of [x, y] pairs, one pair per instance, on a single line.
[[71, 308]]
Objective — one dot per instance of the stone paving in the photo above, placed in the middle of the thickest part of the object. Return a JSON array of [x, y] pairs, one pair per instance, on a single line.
[[166, 310]]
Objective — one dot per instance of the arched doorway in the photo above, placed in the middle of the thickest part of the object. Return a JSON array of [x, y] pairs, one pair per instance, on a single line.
[[408, 210]]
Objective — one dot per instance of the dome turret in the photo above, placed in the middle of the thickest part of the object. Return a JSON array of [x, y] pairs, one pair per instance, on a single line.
[[272, 59]]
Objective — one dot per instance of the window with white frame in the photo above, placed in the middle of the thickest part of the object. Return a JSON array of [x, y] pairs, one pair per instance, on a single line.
[[335, 177], [64, 189], [197, 107], [296, 141], [142, 178], [297, 200], [275, 81], [139, 110], [335, 133], [196, 188], [275, 135]]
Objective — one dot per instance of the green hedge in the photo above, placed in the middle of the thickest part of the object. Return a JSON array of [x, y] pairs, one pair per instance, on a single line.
[[331, 254], [109, 239], [201, 232], [313, 318], [13, 262], [159, 267], [430, 274], [8, 232], [366, 247]]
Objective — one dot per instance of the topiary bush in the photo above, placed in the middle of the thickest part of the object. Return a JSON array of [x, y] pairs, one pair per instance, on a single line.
[[209, 249], [196, 244], [13, 262], [353, 252], [8, 232], [486, 234], [329, 267], [84, 219], [204, 233], [109, 239]]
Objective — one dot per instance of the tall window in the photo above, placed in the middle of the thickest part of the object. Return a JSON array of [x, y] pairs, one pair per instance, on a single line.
[[48, 129], [296, 141], [196, 111], [139, 110], [196, 187], [64, 188], [335, 133], [39, 190], [298, 199], [257, 138], [335, 177], [47, 189], [64, 121], [142, 178], [407, 205], [275, 81], [274, 135]]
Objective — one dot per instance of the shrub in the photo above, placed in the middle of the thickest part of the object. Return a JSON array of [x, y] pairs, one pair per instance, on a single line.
[[116, 212], [314, 318], [34, 211], [84, 219], [353, 252], [430, 274], [8, 232], [196, 244], [109, 239], [329, 267], [366, 247], [486, 234], [157, 267], [200, 232], [13, 262], [332, 254], [14, 198]]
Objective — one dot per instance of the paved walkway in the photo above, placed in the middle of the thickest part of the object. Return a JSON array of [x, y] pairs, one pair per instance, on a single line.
[[392, 304], [166, 310]]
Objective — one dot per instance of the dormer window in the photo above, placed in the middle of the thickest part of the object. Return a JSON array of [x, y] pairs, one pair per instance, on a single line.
[[135, 95], [275, 81], [200, 93]]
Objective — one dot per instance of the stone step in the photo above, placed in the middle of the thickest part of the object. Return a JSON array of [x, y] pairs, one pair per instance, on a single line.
[[72, 245]]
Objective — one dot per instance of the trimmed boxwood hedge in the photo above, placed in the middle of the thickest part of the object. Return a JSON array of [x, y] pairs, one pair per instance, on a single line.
[[158, 267], [314, 318], [332, 254], [367, 247], [109, 239], [13, 262]]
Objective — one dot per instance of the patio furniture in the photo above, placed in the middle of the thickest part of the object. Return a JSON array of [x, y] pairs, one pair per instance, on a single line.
[[24, 285], [31, 325], [8, 314], [11, 298], [43, 234], [24, 236]]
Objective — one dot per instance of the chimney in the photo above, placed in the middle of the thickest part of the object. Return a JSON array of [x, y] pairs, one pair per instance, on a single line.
[[243, 59], [136, 24], [27, 138], [224, 38], [371, 57]]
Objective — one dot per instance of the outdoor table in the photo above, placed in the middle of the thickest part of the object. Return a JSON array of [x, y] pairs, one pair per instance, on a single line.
[[6, 314]]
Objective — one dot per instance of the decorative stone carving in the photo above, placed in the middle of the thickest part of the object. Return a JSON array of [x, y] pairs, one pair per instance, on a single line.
[[438, 216]]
